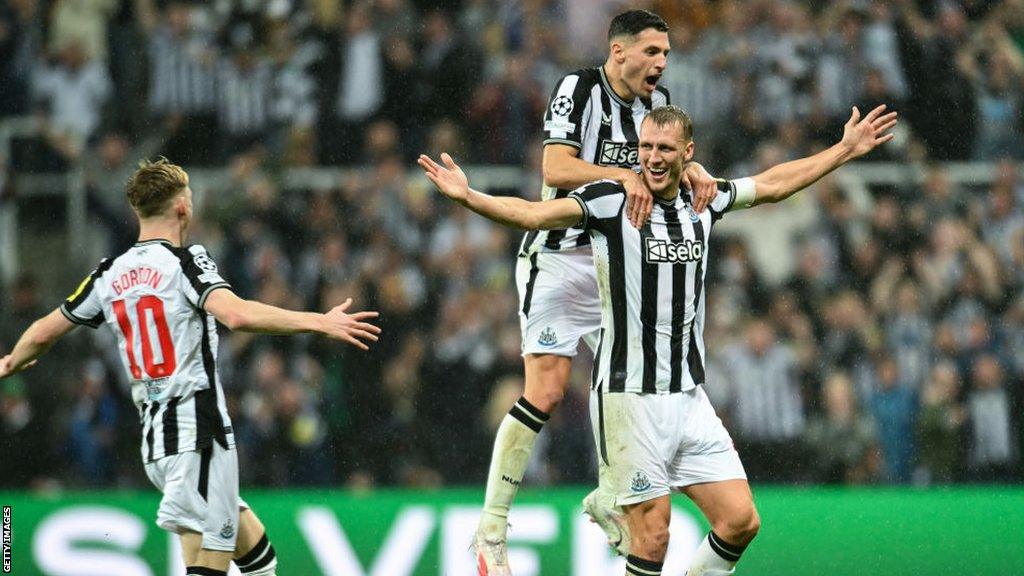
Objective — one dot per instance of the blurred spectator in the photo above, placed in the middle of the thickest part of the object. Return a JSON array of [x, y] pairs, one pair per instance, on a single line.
[[91, 430], [182, 78], [21, 44], [894, 408], [354, 85], [940, 426], [245, 80], [940, 105], [25, 439], [995, 68], [82, 22], [908, 335], [842, 441], [993, 451], [448, 70], [72, 91], [767, 407]]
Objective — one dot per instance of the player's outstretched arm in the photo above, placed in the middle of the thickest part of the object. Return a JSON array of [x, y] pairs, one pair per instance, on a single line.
[[555, 214], [39, 338], [860, 136], [252, 316]]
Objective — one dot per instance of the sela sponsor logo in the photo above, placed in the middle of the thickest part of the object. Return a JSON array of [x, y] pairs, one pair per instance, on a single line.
[[658, 251], [640, 483], [623, 154], [7, 540]]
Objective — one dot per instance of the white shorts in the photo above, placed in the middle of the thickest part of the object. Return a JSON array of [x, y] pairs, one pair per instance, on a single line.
[[558, 302], [650, 444], [200, 491]]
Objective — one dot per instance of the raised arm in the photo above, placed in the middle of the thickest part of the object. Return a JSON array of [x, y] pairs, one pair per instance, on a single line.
[[555, 214], [860, 136], [39, 338], [252, 316]]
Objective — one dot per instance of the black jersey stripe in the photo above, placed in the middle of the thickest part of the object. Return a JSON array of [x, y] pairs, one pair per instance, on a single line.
[[694, 360], [528, 297], [601, 438], [151, 424], [170, 426], [675, 234], [203, 485], [209, 425], [617, 284], [596, 370], [649, 314]]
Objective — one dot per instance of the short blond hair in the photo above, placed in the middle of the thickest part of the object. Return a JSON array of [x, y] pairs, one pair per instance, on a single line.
[[153, 185], [664, 115]]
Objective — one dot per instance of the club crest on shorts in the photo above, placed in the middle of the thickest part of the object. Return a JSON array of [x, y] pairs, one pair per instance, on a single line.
[[548, 337], [227, 530], [640, 483]]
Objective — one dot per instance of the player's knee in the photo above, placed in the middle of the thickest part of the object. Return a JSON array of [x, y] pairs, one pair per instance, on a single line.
[[547, 398], [739, 527]]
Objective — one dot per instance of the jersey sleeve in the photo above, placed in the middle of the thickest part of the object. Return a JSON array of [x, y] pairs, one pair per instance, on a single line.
[[568, 112], [732, 195], [83, 306], [602, 203], [201, 276]]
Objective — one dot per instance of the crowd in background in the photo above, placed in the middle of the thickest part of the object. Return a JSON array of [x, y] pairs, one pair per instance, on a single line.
[[884, 345]]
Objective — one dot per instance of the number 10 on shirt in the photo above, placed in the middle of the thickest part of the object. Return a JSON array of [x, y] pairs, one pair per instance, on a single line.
[[148, 308]]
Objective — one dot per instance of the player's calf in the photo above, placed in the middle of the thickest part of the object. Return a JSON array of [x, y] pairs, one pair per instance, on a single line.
[[261, 560], [648, 525]]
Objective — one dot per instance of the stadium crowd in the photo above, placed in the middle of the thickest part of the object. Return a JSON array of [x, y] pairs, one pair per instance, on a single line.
[[885, 346]]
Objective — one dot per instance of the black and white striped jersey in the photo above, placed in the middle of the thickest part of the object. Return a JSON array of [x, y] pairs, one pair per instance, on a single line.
[[584, 112], [651, 282], [152, 297], [181, 81]]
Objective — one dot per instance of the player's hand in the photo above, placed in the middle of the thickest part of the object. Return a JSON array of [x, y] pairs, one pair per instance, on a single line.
[[7, 367], [861, 136], [639, 200], [449, 179], [351, 328], [703, 185]]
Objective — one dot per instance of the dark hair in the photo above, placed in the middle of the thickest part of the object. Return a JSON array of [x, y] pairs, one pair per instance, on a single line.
[[665, 115], [634, 22]]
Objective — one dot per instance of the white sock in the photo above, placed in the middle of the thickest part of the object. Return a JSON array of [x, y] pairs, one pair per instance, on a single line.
[[715, 557], [512, 447]]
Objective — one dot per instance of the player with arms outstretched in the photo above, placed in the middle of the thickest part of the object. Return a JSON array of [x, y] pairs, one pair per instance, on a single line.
[[654, 428], [163, 300], [590, 133]]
